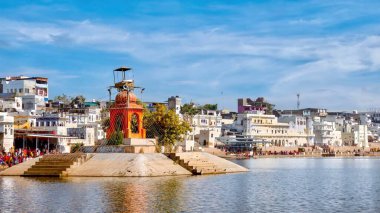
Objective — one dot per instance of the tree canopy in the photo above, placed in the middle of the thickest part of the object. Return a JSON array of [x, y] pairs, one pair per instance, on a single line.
[[63, 98], [78, 100], [210, 107], [165, 125], [191, 109]]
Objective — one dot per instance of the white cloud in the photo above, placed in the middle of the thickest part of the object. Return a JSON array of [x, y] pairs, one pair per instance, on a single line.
[[217, 60]]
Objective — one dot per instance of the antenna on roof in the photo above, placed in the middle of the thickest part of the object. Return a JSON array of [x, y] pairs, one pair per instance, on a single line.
[[298, 101]]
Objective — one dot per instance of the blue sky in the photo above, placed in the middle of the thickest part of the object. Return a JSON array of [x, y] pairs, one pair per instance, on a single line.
[[203, 51]]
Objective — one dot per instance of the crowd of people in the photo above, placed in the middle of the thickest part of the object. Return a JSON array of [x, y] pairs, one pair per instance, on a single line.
[[14, 157]]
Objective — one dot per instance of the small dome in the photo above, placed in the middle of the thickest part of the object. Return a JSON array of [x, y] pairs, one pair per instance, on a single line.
[[122, 97]]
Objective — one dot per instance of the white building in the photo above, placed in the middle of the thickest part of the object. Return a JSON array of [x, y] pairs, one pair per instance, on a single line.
[[206, 120], [11, 104], [326, 133], [22, 86], [6, 131], [32, 91], [207, 137], [300, 125], [361, 135], [33, 102], [86, 133], [174, 103], [356, 135], [87, 117], [292, 132]]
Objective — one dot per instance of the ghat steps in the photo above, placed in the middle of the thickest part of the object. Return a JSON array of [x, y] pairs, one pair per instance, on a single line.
[[196, 163], [123, 165], [55, 165]]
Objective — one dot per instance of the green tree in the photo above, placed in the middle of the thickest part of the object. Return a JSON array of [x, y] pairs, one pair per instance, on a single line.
[[105, 123], [210, 107], [116, 138], [78, 100], [189, 109], [75, 147], [63, 98], [165, 125]]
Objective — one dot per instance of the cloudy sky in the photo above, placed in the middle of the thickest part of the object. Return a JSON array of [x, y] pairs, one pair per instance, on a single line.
[[204, 51]]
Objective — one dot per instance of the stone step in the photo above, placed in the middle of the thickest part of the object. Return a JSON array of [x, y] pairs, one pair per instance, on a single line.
[[202, 167], [196, 160], [211, 171], [192, 163], [47, 168], [50, 166], [42, 173], [195, 163], [55, 163]]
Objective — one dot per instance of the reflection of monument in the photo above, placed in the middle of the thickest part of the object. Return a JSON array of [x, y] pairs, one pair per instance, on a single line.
[[126, 115]]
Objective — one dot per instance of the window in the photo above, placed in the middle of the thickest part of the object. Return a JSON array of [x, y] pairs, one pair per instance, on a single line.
[[135, 123], [119, 122], [11, 131], [26, 90], [6, 131], [20, 90]]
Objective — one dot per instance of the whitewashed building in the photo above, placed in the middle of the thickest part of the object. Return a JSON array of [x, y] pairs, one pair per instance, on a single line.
[[207, 137], [174, 103], [356, 135], [210, 120], [23, 86], [87, 134], [291, 132], [326, 133], [11, 104], [6, 131]]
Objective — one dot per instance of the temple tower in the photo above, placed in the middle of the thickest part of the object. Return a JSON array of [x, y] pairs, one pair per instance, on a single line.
[[126, 114]]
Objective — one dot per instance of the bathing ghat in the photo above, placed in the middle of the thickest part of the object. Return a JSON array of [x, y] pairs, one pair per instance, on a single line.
[[124, 165]]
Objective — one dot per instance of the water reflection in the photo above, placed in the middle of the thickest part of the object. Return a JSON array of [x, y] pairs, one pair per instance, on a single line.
[[167, 196], [280, 185]]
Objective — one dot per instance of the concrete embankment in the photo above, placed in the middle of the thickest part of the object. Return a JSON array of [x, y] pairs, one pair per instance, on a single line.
[[19, 169], [205, 163], [127, 165]]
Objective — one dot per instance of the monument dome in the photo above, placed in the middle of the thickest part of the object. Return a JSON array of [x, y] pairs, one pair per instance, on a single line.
[[122, 98]]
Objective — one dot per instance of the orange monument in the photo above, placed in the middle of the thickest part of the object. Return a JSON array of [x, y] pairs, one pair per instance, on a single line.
[[126, 114]]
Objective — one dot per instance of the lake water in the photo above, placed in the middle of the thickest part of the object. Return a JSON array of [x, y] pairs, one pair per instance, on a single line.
[[272, 185]]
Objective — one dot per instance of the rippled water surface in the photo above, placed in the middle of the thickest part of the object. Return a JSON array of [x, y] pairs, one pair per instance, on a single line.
[[272, 185]]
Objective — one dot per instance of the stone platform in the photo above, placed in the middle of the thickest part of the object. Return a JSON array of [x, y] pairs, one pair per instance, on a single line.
[[137, 165], [118, 149], [130, 145]]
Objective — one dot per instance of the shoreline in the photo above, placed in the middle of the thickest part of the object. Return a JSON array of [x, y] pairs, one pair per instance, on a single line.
[[235, 157]]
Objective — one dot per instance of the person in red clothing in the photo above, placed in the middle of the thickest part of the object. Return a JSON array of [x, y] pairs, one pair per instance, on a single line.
[[8, 159]]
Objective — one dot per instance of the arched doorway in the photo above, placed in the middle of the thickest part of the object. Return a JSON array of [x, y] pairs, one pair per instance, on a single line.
[[119, 123], [134, 123]]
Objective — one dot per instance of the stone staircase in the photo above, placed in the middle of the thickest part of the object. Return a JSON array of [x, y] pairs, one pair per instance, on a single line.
[[196, 163], [56, 165]]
